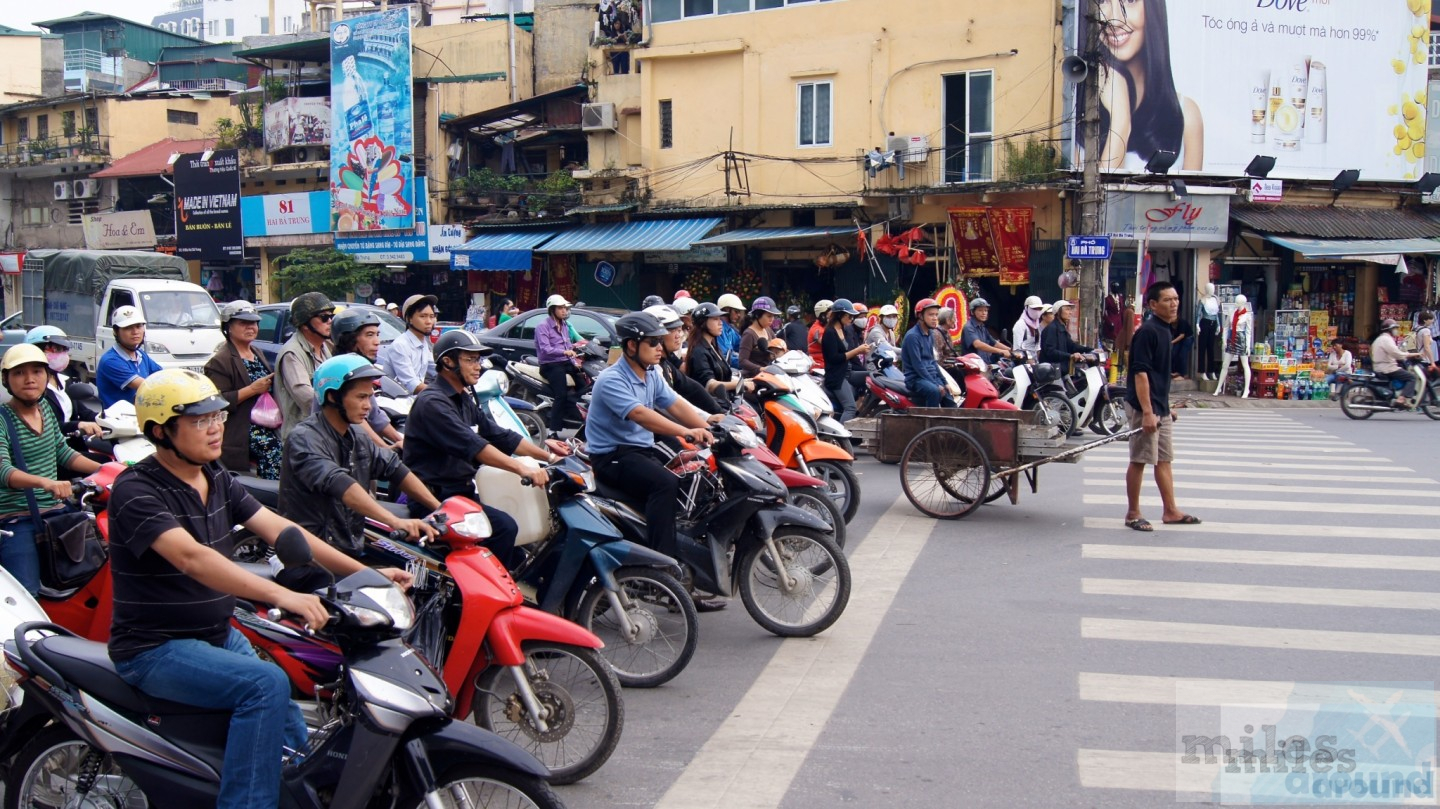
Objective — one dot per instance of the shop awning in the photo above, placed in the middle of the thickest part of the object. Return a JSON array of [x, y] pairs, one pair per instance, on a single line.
[[752, 235], [504, 251], [1326, 222], [632, 237], [1338, 248]]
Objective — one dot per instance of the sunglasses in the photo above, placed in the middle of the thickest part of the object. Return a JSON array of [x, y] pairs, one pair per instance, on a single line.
[[326, 317], [654, 342]]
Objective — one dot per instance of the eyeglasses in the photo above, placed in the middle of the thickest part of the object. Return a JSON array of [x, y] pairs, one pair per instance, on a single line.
[[654, 342], [471, 358], [326, 317], [216, 419]]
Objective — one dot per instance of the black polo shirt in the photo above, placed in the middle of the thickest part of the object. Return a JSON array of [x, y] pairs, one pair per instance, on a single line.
[[1150, 354], [154, 601], [444, 432]]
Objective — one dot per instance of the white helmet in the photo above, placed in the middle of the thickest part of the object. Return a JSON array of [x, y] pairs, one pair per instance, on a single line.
[[666, 315], [823, 306], [556, 300], [1034, 302], [730, 301], [684, 306], [888, 309]]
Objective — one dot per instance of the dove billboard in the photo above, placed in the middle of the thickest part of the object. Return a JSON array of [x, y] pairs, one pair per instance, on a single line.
[[372, 165]]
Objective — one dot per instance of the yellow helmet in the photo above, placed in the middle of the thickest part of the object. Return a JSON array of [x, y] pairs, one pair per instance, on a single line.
[[23, 354], [175, 392]]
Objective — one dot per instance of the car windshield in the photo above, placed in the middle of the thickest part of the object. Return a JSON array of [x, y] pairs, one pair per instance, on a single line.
[[390, 325], [182, 309]]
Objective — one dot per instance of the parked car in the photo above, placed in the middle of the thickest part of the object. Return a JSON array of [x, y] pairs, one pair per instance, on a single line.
[[275, 327], [515, 338]]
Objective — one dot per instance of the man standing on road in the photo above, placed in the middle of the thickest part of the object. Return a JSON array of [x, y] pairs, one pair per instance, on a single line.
[[1148, 397], [122, 368]]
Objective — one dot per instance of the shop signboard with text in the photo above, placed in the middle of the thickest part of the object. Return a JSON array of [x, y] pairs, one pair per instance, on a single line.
[[1320, 85], [286, 214], [372, 160], [1161, 221], [422, 242], [207, 206], [122, 230]]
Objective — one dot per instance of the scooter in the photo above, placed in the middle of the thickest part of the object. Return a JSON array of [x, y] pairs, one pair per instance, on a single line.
[[530, 384], [1363, 394], [735, 531], [120, 437], [1021, 382], [885, 388], [979, 391], [807, 492], [510, 412], [810, 393], [83, 737], [1090, 397], [790, 433]]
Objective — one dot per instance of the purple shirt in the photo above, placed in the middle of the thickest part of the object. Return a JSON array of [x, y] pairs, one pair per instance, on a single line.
[[551, 341]]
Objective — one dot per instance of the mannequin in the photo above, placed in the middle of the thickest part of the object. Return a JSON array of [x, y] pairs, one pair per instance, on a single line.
[[1239, 337], [1114, 304], [1208, 328]]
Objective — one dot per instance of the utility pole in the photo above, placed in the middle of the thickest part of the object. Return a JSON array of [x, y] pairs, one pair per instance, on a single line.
[[1092, 281]]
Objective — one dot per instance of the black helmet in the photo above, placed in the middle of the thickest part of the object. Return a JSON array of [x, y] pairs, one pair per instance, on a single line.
[[352, 320], [792, 311], [1045, 373], [307, 306], [459, 340], [704, 312], [637, 326], [652, 300]]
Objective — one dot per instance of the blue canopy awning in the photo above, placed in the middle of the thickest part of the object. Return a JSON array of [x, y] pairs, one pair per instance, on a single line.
[[503, 251], [1357, 248], [751, 235], [632, 237]]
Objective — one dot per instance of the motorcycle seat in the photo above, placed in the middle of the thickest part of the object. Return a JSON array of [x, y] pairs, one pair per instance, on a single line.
[[87, 665], [609, 492], [892, 384], [266, 491], [398, 509]]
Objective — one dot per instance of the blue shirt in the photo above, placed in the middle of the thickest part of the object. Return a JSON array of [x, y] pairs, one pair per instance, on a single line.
[[116, 370], [729, 344], [616, 395], [917, 357]]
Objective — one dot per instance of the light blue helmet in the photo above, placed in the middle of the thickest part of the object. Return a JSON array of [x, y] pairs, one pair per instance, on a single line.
[[40, 335], [334, 373]]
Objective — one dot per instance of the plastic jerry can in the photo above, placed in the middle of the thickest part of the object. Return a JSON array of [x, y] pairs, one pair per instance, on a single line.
[[528, 505]]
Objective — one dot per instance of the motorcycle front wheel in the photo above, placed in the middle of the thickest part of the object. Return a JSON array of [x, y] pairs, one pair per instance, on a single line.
[[1064, 412], [48, 771], [1430, 403], [533, 424], [662, 614], [818, 502], [844, 486], [580, 697], [812, 594], [469, 785], [1355, 401], [1110, 419]]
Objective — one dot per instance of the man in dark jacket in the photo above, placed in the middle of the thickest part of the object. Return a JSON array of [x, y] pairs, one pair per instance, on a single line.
[[795, 330], [330, 462], [1056, 344]]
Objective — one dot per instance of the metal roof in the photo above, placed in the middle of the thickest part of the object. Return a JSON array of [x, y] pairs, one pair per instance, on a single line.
[[1355, 248], [501, 251], [632, 237], [1324, 222], [750, 235], [154, 160]]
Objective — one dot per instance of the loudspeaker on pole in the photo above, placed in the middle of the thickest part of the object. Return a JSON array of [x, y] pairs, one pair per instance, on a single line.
[[1074, 69]]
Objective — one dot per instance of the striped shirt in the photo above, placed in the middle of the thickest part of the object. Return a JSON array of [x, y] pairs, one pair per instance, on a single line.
[[154, 601], [44, 453]]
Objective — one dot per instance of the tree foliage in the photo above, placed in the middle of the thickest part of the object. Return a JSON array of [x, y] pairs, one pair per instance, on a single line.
[[329, 271]]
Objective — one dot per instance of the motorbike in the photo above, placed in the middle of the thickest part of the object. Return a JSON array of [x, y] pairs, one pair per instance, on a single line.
[[978, 391], [1020, 382], [807, 492], [531, 386], [735, 531], [810, 392], [511, 412], [120, 438], [85, 738], [1363, 394], [396, 403], [885, 388], [1093, 402], [790, 433]]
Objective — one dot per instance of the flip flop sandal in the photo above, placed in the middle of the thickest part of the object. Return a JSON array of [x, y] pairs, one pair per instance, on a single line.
[[1139, 525], [1186, 520]]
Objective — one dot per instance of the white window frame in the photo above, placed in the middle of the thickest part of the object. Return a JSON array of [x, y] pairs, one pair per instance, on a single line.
[[970, 133], [715, 4], [829, 114]]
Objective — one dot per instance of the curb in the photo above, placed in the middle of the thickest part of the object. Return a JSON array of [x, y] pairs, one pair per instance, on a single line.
[[1207, 402]]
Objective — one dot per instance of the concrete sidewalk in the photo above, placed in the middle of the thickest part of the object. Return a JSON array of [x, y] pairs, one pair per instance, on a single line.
[[1201, 401]]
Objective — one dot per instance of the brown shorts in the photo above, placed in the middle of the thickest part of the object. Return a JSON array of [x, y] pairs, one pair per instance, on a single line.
[[1151, 448]]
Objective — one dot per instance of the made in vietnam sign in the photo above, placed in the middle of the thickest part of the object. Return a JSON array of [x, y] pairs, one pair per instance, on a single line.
[[207, 206]]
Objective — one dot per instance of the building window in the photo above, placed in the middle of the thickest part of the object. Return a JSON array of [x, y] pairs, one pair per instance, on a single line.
[[22, 129], [969, 127], [182, 117], [229, 28], [42, 127], [667, 124], [814, 113], [264, 25], [67, 123], [92, 120], [669, 10]]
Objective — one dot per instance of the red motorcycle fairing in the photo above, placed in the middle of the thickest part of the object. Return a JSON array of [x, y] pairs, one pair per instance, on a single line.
[[508, 632], [790, 477]]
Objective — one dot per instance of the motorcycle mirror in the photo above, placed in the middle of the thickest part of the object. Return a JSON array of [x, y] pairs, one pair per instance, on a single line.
[[391, 388], [292, 548]]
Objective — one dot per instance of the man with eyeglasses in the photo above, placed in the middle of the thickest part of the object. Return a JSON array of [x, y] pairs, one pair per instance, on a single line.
[[625, 416], [448, 437], [311, 314]]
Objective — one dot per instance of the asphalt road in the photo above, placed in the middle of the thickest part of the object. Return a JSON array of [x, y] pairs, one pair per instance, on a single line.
[[1034, 655]]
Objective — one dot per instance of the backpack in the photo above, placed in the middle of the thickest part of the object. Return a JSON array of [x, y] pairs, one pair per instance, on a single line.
[[1411, 343]]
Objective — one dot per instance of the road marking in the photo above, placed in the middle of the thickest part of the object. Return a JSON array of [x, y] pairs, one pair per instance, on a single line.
[[1145, 690], [1151, 772], [1102, 455], [1230, 556], [1316, 507], [1237, 457], [1238, 475], [1265, 530], [1272, 488], [1262, 594], [1260, 637], [750, 761]]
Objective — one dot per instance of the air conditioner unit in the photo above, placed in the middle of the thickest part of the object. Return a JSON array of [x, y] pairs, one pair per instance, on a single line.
[[911, 148], [62, 189], [597, 117], [85, 189]]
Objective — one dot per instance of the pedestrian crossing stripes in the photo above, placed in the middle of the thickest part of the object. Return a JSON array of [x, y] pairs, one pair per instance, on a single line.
[[1264, 531], [1276, 488], [1150, 690], [1234, 556], [1262, 594], [1260, 637], [1316, 507], [1240, 455], [1235, 474], [1232, 463]]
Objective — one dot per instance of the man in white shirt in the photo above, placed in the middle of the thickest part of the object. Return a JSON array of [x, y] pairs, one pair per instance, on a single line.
[[1385, 358], [408, 357]]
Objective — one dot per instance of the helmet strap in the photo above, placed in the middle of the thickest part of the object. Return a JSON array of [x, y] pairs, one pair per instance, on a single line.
[[164, 442]]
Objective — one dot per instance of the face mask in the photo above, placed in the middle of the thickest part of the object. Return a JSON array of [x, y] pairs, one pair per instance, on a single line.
[[889, 321], [59, 360]]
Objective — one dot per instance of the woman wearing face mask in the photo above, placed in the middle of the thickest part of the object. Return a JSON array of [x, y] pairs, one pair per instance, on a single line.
[[73, 416], [884, 331]]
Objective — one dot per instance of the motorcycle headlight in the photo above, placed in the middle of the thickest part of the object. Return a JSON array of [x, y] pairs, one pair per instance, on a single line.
[[389, 607], [475, 526], [744, 436]]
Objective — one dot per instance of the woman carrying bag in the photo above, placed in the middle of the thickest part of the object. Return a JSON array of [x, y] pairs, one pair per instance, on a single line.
[[244, 378]]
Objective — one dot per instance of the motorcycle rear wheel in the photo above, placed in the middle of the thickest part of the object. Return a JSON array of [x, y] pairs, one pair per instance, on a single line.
[[816, 501], [821, 588], [469, 785], [844, 486], [45, 772], [1354, 399], [664, 614], [1430, 403], [583, 698]]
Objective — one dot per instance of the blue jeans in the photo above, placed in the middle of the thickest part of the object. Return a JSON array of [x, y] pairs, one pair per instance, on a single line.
[[18, 554], [924, 393], [264, 720], [843, 398]]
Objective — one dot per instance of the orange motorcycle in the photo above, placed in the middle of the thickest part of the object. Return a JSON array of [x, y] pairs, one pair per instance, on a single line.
[[790, 433]]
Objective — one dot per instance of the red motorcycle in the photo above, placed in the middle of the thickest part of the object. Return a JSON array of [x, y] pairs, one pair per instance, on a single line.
[[980, 392]]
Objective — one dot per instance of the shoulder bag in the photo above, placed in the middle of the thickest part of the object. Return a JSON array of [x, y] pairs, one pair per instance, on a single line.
[[67, 541]]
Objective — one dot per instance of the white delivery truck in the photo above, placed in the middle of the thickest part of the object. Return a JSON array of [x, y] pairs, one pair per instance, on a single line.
[[77, 290]]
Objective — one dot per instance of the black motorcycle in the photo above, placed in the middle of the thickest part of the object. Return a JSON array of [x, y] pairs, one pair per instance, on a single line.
[[1363, 394], [735, 529], [83, 737], [528, 385]]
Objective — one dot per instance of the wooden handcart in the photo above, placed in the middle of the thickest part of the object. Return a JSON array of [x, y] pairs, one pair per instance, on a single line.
[[952, 461]]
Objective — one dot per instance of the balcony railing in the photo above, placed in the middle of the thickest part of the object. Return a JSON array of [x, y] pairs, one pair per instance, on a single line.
[[981, 161], [86, 59], [1434, 50], [51, 150]]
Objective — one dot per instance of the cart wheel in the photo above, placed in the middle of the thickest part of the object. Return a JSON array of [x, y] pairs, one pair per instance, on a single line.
[[945, 473]]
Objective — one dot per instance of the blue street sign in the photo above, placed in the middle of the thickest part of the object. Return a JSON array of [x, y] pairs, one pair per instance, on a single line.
[[1088, 247], [605, 273]]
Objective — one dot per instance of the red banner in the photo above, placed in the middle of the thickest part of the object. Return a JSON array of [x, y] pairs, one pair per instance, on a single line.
[[1012, 235], [975, 246], [562, 277]]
